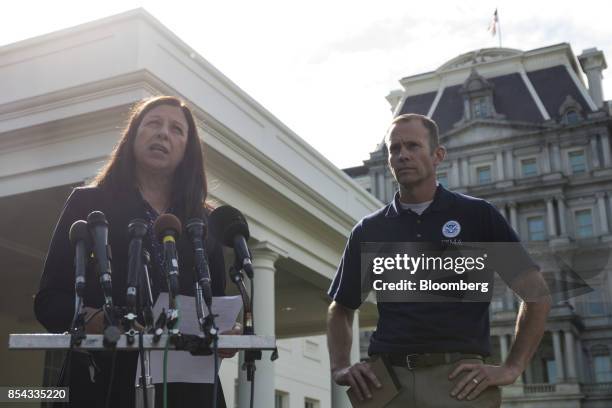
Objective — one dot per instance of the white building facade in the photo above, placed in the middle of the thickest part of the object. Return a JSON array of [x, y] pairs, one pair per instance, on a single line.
[[64, 98]]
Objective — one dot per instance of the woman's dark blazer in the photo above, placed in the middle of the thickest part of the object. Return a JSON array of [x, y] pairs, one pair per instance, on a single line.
[[54, 303]]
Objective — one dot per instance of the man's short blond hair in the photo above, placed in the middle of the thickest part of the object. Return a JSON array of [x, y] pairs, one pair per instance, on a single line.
[[427, 122]]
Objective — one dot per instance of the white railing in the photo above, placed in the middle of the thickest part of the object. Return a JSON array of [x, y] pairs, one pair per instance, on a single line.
[[538, 388], [597, 388]]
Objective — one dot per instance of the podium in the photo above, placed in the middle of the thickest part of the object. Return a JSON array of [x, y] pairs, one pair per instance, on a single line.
[[45, 341], [38, 341]]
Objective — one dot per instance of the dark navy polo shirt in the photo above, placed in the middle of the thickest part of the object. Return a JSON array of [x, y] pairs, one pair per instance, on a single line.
[[423, 327]]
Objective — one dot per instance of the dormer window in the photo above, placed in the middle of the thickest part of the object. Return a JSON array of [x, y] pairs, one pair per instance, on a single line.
[[480, 108], [571, 117], [570, 111], [477, 95]]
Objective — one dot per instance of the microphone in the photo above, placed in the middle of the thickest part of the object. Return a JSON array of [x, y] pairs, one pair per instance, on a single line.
[[229, 224], [167, 229], [137, 229], [196, 228], [79, 237], [98, 228]]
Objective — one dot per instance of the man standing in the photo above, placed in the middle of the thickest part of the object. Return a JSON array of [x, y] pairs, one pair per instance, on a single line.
[[436, 349]]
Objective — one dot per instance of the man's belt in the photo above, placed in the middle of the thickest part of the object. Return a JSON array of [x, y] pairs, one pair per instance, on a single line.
[[412, 361]]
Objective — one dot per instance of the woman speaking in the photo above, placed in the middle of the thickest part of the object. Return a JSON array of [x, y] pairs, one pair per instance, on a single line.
[[157, 167]]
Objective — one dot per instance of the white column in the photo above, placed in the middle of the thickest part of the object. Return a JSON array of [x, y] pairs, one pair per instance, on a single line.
[[465, 173], [339, 398], [373, 183], [382, 187], [562, 216], [510, 163], [513, 217], [546, 153], [500, 165], [594, 152], [552, 223], [455, 174], [603, 216], [605, 147], [503, 347], [571, 356], [509, 299], [264, 259], [558, 356]]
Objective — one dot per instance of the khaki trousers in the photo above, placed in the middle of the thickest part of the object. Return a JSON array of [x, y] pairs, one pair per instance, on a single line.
[[429, 387]]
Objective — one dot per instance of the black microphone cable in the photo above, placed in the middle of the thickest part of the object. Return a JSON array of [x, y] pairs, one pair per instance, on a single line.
[[253, 326], [112, 378], [143, 381]]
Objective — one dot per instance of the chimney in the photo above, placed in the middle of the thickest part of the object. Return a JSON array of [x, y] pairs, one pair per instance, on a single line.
[[593, 63]]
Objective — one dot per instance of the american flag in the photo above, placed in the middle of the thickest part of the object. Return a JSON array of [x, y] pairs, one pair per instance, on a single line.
[[493, 24]]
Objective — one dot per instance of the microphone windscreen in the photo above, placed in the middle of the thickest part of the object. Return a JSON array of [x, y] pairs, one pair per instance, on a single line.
[[96, 218], [167, 222], [226, 222], [79, 232]]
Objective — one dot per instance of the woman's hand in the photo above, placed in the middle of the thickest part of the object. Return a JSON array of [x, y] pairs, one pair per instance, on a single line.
[[229, 353]]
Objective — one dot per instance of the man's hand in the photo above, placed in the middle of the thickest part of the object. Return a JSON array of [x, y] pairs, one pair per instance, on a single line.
[[229, 353], [359, 377], [479, 377]]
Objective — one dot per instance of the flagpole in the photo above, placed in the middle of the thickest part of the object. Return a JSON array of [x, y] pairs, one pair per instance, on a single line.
[[499, 28]]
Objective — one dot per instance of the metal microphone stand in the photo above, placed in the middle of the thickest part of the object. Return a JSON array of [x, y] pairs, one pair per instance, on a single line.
[[145, 390], [207, 323], [247, 321]]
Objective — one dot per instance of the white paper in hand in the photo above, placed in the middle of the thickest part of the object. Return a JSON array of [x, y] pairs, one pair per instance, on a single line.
[[182, 366]]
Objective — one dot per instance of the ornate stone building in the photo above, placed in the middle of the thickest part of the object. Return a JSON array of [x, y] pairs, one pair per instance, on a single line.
[[524, 131]]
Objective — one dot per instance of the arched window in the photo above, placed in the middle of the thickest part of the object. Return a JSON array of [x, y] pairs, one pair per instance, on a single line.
[[572, 117]]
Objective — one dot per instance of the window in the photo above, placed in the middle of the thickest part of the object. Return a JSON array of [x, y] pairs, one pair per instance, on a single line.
[[310, 403], [577, 161], [529, 167], [572, 117], [602, 368], [584, 224], [551, 371], [483, 174], [535, 227], [595, 303], [443, 179], [280, 399], [480, 108], [497, 304]]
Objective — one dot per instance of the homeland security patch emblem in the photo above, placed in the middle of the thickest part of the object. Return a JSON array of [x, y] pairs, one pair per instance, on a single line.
[[451, 229]]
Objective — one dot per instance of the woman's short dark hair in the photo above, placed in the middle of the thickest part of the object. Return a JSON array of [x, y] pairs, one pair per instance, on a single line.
[[189, 188]]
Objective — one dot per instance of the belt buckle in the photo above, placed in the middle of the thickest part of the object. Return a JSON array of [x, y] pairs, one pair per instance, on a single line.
[[409, 362]]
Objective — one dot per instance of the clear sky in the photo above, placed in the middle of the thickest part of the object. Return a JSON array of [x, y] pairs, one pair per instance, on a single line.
[[325, 67]]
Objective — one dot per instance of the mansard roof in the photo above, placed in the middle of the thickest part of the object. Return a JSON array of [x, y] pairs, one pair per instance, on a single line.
[[527, 86]]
